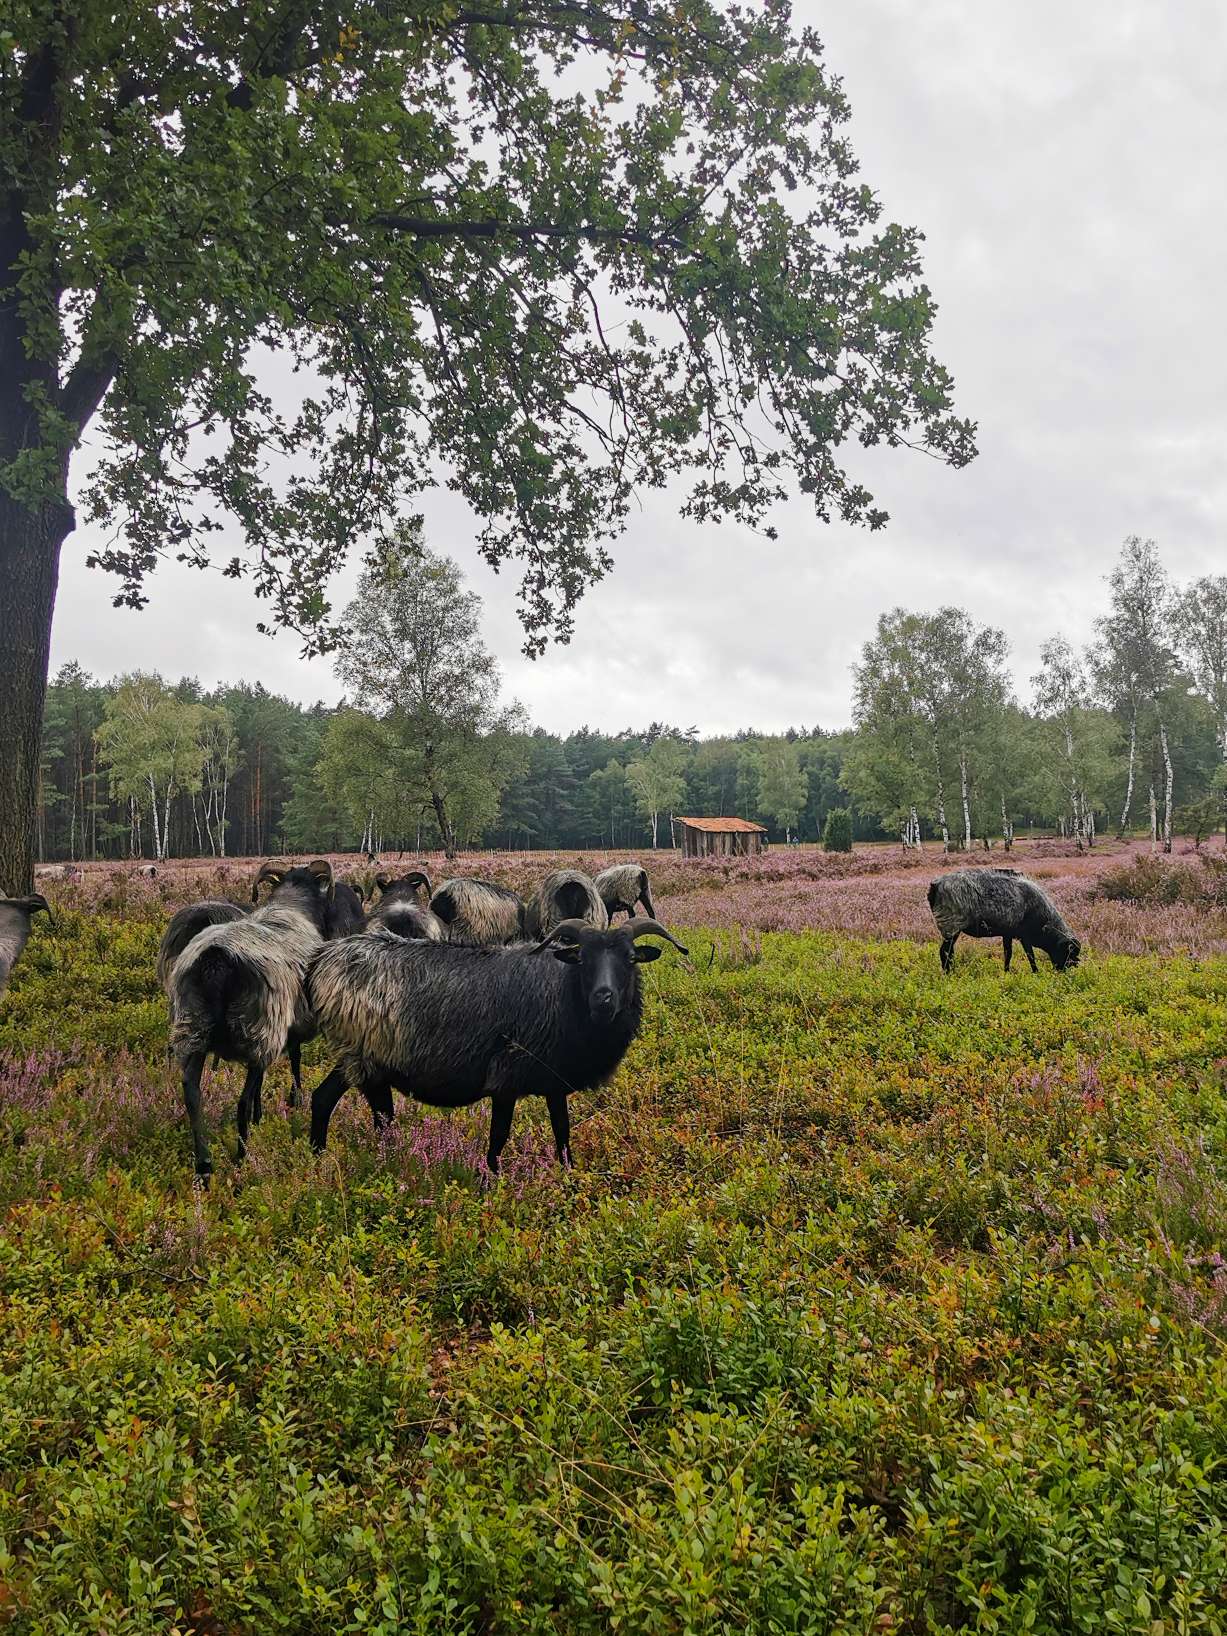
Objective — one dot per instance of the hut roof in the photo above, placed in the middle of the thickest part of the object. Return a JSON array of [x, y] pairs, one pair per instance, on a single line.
[[724, 825]]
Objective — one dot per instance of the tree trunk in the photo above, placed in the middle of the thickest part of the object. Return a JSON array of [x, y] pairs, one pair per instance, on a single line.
[[941, 796], [1007, 828], [966, 803], [1133, 742], [153, 818], [1154, 819], [30, 542], [1167, 787]]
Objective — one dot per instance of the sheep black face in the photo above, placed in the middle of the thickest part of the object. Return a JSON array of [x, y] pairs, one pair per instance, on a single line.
[[313, 885], [1065, 953], [606, 961]]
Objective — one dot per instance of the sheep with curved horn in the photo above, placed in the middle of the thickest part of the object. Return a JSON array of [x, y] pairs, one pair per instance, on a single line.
[[450, 1025]]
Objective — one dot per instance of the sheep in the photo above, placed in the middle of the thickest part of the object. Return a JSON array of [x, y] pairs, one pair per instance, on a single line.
[[58, 871], [343, 913], [621, 887], [184, 925], [15, 917], [1001, 903], [478, 912], [566, 894], [149, 871], [400, 911], [452, 1025], [237, 991]]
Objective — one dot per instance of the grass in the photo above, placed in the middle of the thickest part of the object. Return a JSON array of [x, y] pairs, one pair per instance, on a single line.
[[878, 1303]]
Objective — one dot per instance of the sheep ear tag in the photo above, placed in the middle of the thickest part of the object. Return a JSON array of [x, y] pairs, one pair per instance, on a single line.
[[648, 952], [568, 952]]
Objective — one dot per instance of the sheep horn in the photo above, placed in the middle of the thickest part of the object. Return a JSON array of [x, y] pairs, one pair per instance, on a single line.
[[573, 930], [322, 870], [651, 928], [269, 871]]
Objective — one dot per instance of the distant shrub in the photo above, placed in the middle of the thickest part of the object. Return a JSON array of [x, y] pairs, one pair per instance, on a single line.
[[1155, 883], [837, 833]]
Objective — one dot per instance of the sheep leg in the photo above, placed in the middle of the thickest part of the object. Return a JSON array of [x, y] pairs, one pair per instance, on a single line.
[[293, 1050], [947, 952], [192, 1070], [379, 1100], [1008, 944], [647, 904], [501, 1110], [249, 1103], [324, 1099], [560, 1121], [1030, 954]]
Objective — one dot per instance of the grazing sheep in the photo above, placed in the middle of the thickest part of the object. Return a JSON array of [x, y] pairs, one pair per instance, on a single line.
[[450, 1026], [15, 916], [400, 911], [478, 912], [148, 870], [58, 871], [567, 894], [237, 991], [1001, 903], [621, 887]]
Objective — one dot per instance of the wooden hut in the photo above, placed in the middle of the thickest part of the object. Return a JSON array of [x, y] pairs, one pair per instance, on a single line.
[[720, 837]]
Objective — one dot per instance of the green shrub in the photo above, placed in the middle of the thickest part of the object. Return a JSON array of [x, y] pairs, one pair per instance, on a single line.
[[877, 1302], [837, 831]]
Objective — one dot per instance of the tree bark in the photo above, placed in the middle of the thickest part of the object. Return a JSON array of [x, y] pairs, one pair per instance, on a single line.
[[966, 803], [941, 796], [1167, 787], [1133, 741], [30, 542]]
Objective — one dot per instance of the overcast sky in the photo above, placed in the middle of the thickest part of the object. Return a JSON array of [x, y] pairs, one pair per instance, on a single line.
[[1066, 164]]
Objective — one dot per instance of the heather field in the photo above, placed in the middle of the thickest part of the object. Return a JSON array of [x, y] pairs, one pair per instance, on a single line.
[[877, 1302]]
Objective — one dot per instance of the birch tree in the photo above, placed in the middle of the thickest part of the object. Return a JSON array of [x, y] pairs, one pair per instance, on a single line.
[[151, 743], [417, 661], [1200, 622], [657, 782], [1135, 663], [783, 788], [1076, 735]]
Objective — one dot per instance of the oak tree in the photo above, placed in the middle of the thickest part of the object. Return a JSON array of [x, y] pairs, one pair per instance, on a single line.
[[290, 264]]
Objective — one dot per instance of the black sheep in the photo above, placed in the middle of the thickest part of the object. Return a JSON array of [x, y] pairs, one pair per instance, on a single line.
[[450, 1025]]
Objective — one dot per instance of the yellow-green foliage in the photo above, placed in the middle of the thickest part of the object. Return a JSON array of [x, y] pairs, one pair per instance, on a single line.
[[880, 1302]]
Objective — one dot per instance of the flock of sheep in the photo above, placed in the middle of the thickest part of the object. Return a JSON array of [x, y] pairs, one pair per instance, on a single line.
[[443, 994]]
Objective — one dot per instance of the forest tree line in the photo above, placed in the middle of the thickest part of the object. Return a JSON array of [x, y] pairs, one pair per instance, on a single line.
[[1129, 735]]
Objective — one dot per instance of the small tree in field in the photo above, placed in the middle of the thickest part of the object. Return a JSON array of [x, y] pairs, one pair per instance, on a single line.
[[416, 660], [153, 746], [837, 831], [562, 253], [656, 781], [783, 788]]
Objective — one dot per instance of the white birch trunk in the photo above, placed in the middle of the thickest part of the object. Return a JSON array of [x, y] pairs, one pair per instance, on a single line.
[[153, 808], [1133, 742], [966, 803], [1154, 820], [1167, 787]]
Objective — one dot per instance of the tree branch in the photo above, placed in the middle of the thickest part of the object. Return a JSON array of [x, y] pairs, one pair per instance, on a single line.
[[431, 227]]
